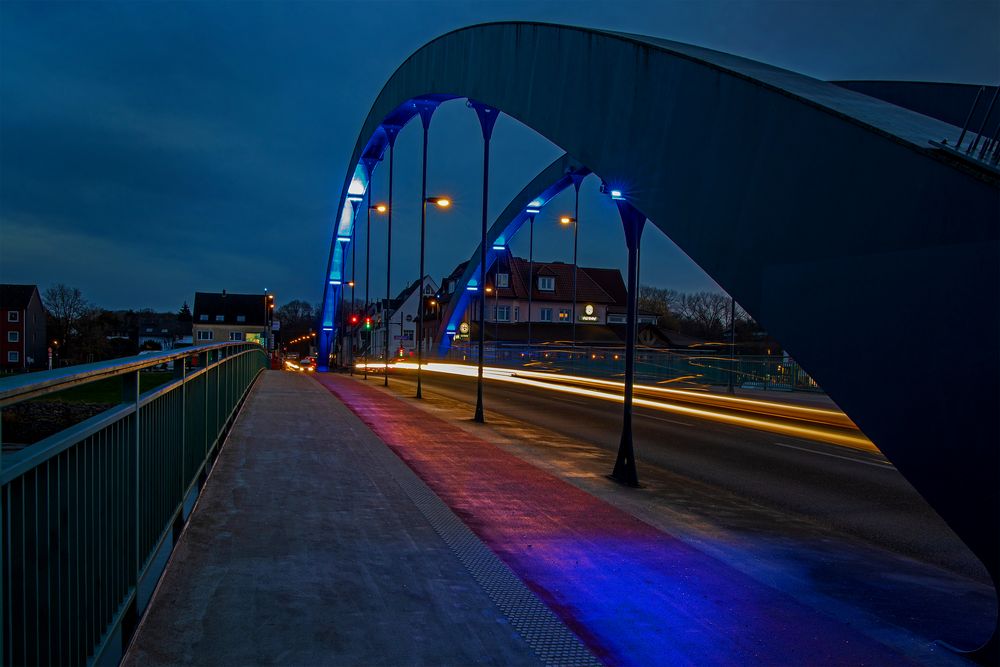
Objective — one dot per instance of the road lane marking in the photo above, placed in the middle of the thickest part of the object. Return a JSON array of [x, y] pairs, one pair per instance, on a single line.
[[877, 464]]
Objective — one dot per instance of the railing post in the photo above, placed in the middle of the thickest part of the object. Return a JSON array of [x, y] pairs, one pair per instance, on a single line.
[[204, 454], [178, 526], [130, 394]]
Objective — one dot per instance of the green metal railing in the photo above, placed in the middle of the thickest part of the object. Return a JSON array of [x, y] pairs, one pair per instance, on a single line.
[[85, 511]]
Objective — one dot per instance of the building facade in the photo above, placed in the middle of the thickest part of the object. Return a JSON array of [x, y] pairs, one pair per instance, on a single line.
[[399, 323], [601, 300], [221, 317], [23, 344]]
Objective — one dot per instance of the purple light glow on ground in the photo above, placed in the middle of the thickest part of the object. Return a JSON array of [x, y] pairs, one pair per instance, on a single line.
[[634, 594]]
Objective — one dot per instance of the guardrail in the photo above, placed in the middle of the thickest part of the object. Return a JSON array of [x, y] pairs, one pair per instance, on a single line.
[[85, 511], [652, 365]]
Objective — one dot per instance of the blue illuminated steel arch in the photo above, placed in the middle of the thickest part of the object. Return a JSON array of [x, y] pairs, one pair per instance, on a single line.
[[550, 181], [826, 213]]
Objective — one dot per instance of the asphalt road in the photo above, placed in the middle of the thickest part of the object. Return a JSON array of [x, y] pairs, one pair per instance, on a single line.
[[837, 487]]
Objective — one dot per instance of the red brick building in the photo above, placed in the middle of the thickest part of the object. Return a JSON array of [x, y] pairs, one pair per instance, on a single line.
[[22, 328]]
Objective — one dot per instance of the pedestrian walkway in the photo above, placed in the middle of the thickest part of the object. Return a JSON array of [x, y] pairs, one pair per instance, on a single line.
[[634, 594], [313, 544]]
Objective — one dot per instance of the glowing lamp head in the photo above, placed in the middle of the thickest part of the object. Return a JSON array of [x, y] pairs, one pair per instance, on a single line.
[[617, 194], [440, 202], [350, 283], [566, 220], [380, 208]]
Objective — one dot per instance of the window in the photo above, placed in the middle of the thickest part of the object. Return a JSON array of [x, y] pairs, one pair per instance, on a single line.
[[546, 283], [407, 334], [13, 316], [546, 315], [517, 313], [501, 313], [235, 335], [205, 335], [220, 318], [503, 279], [203, 317], [241, 318], [13, 357], [13, 336], [563, 314]]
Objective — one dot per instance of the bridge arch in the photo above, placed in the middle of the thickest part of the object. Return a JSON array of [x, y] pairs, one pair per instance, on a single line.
[[816, 207]]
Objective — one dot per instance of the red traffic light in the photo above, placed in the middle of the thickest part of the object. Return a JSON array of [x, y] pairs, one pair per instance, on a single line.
[[368, 323], [354, 319]]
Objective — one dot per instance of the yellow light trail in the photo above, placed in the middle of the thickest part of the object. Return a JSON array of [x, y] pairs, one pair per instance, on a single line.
[[848, 436]]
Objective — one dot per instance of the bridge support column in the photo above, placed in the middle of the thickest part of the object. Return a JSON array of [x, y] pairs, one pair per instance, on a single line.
[[633, 221], [487, 119]]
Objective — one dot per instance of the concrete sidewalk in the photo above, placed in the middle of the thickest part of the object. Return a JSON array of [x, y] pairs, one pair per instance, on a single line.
[[314, 544]]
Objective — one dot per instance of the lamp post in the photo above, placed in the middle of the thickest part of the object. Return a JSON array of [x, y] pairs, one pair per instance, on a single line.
[[732, 344], [487, 120], [577, 180], [440, 202], [531, 267], [391, 131], [378, 208], [567, 220]]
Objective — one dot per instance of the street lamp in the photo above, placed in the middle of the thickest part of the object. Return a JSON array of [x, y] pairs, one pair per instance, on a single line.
[[392, 131], [440, 202], [380, 209], [534, 208], [568, 220]]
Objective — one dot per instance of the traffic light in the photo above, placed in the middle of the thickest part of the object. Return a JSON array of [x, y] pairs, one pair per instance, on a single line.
[[368, 323], [353, 319]]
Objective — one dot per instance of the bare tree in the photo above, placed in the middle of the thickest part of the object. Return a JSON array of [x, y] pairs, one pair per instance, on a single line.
[[66, 306], [662, 301], [707, 313]]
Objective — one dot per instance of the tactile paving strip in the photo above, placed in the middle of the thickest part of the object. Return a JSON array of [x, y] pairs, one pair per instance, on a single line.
[[545, 633]]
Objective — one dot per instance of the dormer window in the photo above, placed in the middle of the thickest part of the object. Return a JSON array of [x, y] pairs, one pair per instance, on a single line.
[[503, 279], [203, 317], [547, 283], [241, 318], [220, 318]]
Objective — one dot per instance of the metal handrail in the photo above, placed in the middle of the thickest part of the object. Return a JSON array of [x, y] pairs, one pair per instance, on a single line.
[[17, 388], [86, 511]]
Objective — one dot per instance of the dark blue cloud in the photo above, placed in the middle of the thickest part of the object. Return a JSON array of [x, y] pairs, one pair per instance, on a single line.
[[151, 149]]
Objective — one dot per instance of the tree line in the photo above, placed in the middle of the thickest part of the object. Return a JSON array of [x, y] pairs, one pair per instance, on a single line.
[[699, 314], [80, 331]]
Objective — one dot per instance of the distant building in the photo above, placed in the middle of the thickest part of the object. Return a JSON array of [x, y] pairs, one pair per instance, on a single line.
[[220, 317], [601, 300], [402, 320], [23, 343], [162, 332]]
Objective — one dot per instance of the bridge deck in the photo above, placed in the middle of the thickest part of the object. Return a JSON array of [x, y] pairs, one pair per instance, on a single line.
[[311, 544]]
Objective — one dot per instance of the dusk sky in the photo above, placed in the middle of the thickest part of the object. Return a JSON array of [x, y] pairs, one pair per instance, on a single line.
[[149, 150]]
